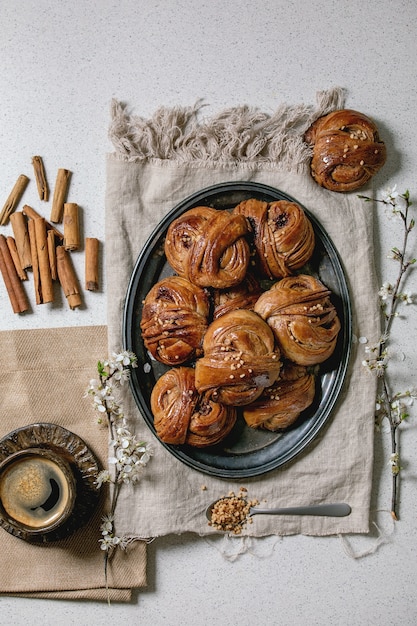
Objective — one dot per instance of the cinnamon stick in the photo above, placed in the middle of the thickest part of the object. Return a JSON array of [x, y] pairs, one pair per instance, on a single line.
[[42, 278], [29, 212], [21, 235], [15, 290], [91, 263], [52, 254], [60, 194], [16, 260], [67, 277], [35, 263], [40, 177], [71, 226], [47, 290], [14, 198]]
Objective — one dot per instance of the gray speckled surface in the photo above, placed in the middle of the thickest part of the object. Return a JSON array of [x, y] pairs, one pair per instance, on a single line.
[[60, 65]]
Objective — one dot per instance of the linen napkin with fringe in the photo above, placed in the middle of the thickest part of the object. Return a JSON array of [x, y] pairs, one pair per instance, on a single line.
[[160, 161], [44, 376]]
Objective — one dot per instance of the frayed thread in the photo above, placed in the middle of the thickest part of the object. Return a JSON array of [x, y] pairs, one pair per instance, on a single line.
[[127, 541], [236, 135], [232, 547], [381, 539]]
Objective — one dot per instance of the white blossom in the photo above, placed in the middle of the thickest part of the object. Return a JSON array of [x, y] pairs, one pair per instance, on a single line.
[[394, 461], [390, 408], [376, 362], [394, 255], [119, 363], [129, 454], [385, 291], [390, 195], [106, 543], [406, 297], [380, 367], [102, 478], [127, 358], [107, 524]]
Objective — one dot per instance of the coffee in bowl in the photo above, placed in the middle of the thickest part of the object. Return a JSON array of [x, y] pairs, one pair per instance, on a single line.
[[37, 490]]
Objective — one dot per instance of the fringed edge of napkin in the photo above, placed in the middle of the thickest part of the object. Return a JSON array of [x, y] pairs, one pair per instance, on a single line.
[[241, 134]]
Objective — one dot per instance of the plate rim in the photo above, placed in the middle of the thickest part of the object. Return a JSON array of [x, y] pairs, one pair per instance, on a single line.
[[158, 232]]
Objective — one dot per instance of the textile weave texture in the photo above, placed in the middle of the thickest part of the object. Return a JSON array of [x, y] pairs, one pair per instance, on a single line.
[[157, 163], [45, 374]]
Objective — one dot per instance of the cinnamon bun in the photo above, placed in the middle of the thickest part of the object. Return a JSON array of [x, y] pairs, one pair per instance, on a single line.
[[347, 150], [243, 296], [280, 405], [174, 320], [182, 416], [240, 359], [283, 235], [208, 247], [304, 320]]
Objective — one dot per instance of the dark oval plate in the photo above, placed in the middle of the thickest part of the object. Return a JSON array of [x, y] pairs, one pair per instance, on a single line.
[[246, 452]]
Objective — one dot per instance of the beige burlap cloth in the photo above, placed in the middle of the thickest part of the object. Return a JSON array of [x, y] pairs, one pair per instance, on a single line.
[[156, 164], [44, 375]]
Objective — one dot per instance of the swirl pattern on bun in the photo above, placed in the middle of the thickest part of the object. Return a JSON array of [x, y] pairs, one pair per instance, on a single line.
[[174, 320], [280, 405], [182, 416], [283, 235], [209, 247], [240, 359], [347, 150], [304, 320]]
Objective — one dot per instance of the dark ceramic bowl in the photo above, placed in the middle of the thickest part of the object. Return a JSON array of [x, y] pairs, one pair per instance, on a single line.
[[48, 485], [37, 491]]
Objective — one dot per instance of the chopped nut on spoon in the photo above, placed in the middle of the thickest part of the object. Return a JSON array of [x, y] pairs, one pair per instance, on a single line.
[[231, 513]]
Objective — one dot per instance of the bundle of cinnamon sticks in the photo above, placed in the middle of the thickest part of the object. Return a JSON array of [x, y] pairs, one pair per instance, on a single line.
[[38, 246]]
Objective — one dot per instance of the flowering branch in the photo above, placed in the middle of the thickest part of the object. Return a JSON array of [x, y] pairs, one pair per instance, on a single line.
[[393, 406], [130, 455]]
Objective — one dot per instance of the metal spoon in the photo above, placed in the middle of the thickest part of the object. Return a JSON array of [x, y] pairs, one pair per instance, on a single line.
[[329, 510]]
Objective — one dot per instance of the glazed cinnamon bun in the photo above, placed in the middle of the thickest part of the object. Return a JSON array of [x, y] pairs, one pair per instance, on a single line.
[[243, 296], [210, 423], [283, 235], [304, 321], [182, 416], [208, 247], [347, 150], [280, 405], [173, 401], [174, 320], [240, 359]]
